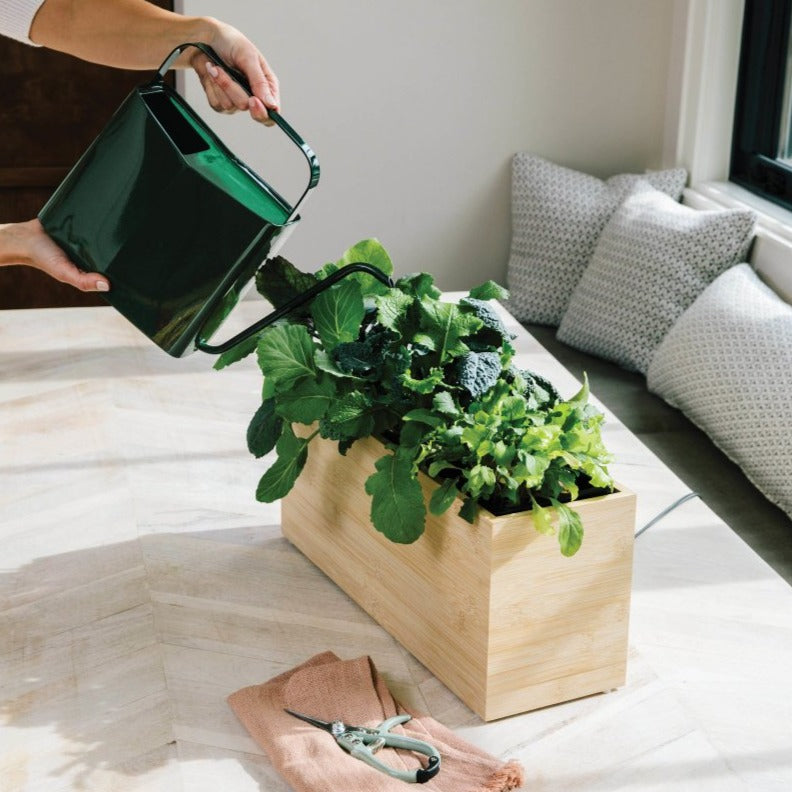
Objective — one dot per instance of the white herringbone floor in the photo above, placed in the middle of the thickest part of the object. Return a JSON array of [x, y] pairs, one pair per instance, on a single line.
[[141, 583]]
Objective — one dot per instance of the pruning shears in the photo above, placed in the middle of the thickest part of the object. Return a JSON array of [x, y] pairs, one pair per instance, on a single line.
[[362, 743]]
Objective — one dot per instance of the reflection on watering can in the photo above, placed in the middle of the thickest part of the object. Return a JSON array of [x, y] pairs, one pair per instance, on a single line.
[[144, 204]]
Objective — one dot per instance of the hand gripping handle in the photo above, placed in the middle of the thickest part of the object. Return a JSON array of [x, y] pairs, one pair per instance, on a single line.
[[241, 80]]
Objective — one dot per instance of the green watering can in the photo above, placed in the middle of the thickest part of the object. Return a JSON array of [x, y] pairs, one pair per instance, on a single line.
[[177, 223]]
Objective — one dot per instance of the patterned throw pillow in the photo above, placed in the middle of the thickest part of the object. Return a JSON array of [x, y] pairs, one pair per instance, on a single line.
[[726, 364], [557, 216], [653, 259]]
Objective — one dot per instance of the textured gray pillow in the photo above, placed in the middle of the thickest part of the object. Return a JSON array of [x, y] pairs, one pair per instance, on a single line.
[[557, 217], [727, 364], [653, 259]]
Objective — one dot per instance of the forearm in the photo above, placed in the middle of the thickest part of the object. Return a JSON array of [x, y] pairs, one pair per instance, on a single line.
[[131, 34]]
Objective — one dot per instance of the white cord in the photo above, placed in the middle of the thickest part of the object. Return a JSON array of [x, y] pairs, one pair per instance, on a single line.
[[667, 510]]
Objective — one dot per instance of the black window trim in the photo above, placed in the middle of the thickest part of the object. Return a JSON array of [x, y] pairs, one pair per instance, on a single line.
[[759, 102]]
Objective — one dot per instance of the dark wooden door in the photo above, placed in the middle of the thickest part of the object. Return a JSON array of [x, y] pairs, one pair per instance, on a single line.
[[52, 106]]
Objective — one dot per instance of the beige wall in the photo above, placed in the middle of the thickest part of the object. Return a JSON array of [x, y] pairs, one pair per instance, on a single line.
[[415, 108]]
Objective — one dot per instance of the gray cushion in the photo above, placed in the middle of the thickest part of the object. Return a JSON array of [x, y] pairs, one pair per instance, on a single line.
[[653, 259], [726, 364], [557, 216]]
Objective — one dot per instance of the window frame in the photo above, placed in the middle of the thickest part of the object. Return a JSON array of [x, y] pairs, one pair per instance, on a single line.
[[759, 105]]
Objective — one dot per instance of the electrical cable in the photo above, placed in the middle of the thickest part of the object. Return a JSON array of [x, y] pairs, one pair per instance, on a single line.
[[666, 511]]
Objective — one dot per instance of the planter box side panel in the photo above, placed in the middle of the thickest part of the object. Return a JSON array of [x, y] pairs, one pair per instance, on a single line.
[[431, 596], [559, 626]]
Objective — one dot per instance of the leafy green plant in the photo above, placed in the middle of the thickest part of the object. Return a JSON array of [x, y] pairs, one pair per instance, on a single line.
[[436, 382]]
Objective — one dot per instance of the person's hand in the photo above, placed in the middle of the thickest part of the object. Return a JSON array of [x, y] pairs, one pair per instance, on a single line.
[[239, 52], [27, 243]]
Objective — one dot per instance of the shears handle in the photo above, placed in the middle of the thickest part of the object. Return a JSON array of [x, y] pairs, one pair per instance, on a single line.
[[362, 745]]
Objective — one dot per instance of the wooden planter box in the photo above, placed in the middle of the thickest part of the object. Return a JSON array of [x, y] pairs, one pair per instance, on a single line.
[[492, 609]]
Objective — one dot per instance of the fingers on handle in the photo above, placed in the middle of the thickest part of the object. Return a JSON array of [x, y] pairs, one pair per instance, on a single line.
[[228, 93]]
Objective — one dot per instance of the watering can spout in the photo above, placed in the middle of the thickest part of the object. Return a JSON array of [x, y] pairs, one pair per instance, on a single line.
[[287, 308]]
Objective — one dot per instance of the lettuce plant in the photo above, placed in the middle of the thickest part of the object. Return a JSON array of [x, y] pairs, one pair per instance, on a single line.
[[436, 382]]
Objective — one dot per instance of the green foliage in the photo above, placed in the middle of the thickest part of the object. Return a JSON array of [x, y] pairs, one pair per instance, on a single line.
[[337, 313], [237, 352], [437, 383], [477, 372], [264, 430], [489, 291], [285, 355], [279, 281], [443, 497], [397, 507], [280, 478], [445, 325], [368, 251]]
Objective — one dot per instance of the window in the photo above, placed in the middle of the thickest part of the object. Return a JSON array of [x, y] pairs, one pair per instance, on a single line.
[[762, 141]]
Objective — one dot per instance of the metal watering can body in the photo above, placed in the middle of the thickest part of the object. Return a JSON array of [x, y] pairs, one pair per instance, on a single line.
[[177, 223]]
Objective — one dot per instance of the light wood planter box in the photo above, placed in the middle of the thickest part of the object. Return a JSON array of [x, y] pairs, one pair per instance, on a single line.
[[492, 609]]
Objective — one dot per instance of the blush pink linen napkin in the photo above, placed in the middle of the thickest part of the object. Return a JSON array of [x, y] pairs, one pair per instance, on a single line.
[[328, 688]]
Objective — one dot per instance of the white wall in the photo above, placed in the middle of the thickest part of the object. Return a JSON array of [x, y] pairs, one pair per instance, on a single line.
[[415, 108]]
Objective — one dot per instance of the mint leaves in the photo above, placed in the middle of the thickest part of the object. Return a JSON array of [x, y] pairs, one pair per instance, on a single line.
[[436, 382]]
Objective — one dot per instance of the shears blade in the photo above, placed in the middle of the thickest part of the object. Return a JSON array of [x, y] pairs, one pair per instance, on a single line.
[[326, 725]]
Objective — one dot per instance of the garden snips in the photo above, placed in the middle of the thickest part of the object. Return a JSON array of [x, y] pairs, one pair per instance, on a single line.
[[362, 743]]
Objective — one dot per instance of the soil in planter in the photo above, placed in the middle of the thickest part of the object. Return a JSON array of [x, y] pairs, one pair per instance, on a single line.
[[502, 506]]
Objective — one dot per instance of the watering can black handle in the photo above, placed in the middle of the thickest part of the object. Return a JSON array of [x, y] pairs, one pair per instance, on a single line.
[[241, 80], [295, 302]]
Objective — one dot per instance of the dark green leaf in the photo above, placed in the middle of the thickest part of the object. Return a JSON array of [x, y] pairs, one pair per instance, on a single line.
[[354, 358], [324, 362], [477, 372], [280, 478], [438, 466], [278, 280], [345, 445], [469, 510], [424, 416], [443, 497], [338, 313], [489, 318], [306, 401], [392, 309], [419, 284], [489, 291], [237, 352], [540, 388], [397, 506], [348, 417], [264, 429], [286, 354], [411, 434], [446, 325]]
